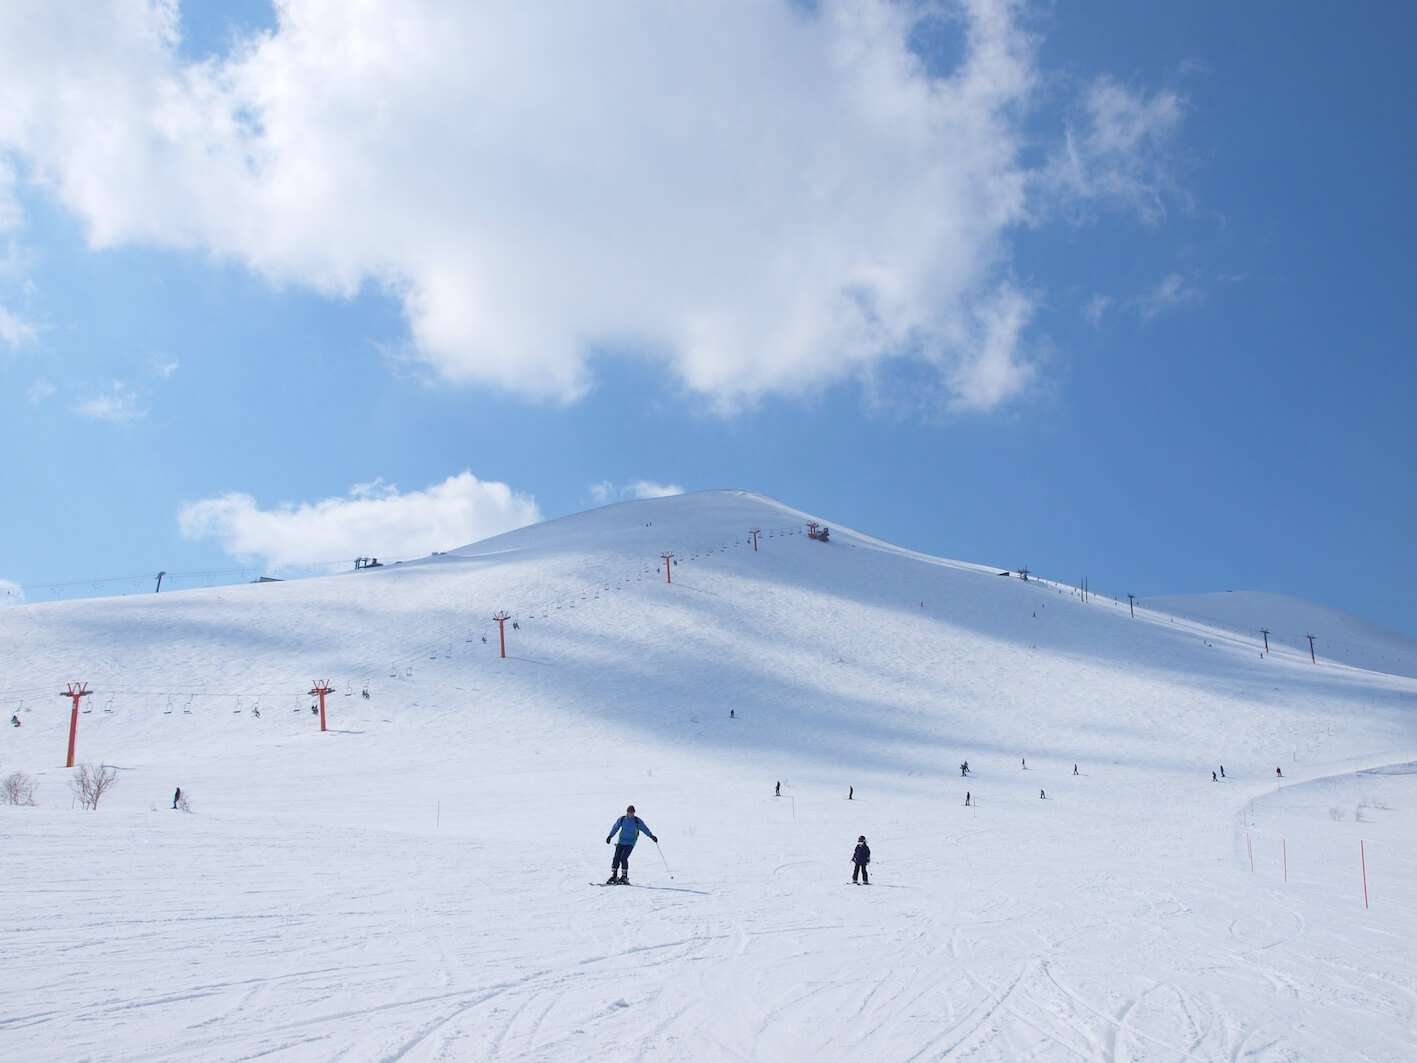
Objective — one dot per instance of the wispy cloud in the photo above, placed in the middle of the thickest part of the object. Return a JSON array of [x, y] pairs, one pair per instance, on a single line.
[[605, 491], [1096, 307], [164, 369], [117, 405], [15, 331], [375, 519], [798, 201], [39, 391], [1172, 292], [1117, 153]]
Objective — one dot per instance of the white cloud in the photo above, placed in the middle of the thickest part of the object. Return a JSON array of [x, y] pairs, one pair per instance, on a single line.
[[15, 332], [1096, 307], [1172, 292], [604, 492], [650, 489], [162, 370], [374, 520], [1118, 153], [39, 391], [764, 198], [117, 405]]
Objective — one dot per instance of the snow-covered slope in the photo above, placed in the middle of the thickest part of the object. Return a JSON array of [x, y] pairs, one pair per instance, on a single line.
[[1286, 621], [413, 882]]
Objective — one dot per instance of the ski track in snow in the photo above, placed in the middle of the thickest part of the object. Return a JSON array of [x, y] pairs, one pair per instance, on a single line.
[[412, 885]]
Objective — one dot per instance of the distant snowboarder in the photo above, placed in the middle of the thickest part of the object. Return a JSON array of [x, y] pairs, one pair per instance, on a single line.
[[859, 859], [630, 827], [176, 797]]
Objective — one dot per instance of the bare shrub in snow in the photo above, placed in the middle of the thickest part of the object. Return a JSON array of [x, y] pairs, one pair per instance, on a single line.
[[17, 788], [1335, 812], [90, 783]]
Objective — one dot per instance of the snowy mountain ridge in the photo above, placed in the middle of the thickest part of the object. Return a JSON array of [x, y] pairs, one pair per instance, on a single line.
[[412, 881]]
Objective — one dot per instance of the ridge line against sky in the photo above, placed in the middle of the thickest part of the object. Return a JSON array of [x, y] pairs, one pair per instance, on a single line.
[[1114, 294]]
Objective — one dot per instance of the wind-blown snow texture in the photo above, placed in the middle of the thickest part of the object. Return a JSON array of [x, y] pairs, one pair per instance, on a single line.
[[412, 883]]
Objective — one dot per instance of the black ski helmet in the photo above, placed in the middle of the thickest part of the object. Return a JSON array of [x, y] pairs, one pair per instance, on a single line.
[[630, 811], [862, 838]]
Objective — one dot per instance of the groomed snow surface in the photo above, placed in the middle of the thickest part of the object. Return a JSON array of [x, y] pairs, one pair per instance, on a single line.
[[414, 883]]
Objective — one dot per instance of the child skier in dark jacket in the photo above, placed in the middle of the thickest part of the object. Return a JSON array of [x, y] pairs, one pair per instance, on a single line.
[[859, 859]]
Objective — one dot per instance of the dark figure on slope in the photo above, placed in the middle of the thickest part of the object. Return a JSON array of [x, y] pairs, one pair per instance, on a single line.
[[778, 791], [630, 827], [1278, 774], [859, 859], [1222, 771], [177, 797], [966, 799]]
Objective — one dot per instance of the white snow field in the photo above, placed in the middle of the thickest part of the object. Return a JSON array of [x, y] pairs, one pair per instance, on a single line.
[[415, 882]]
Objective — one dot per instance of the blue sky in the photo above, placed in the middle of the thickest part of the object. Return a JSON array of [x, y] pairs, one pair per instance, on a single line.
[[1116, 291]]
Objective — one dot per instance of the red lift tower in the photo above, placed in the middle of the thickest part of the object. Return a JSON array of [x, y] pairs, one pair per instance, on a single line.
[[320, 689], [502, 617], [666, 557], [75, 691]]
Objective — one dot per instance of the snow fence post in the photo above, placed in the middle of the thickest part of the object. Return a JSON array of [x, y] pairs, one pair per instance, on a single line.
[[1363, 861]]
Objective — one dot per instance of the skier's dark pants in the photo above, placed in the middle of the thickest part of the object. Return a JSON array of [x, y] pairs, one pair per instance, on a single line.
[[861, 868], [622, 858]]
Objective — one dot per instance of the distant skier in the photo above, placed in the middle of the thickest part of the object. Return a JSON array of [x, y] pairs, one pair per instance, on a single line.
[[176, 797], [1075, 769], [15, 720], [731, 715], [365, 692], [1213, 778], [1222, 771], [966, 799], [777, 791], [256, 711], [1278, 774], [859, 859], [630, 827], [1042, 796], [850, 792], [1023, 763]]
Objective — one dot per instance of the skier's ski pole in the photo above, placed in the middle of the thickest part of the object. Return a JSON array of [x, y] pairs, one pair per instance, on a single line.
[[666, 862]]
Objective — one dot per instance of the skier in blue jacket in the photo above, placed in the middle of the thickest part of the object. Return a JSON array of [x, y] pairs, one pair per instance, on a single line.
[[630, 827]]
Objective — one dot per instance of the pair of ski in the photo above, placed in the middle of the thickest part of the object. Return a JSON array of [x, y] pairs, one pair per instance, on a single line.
[[612, 883]]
